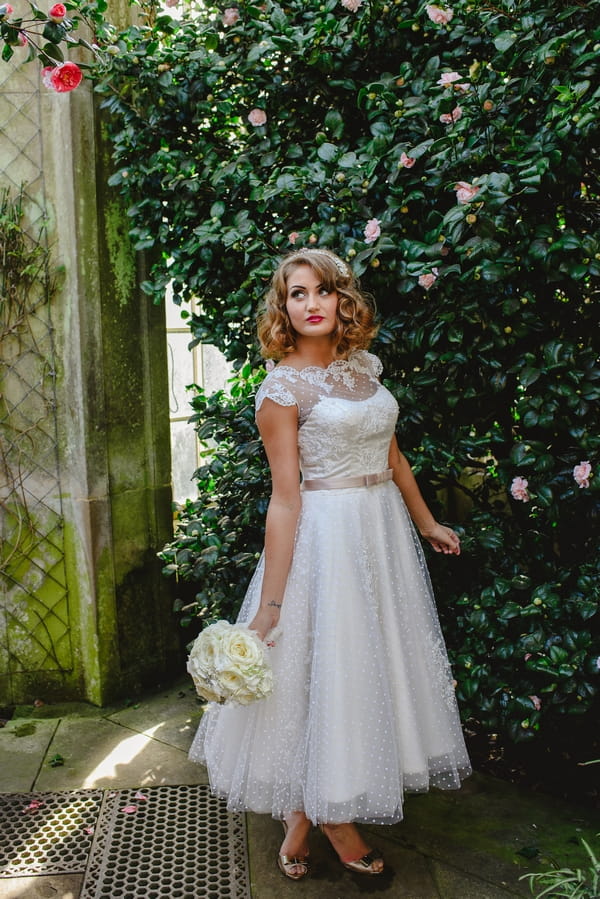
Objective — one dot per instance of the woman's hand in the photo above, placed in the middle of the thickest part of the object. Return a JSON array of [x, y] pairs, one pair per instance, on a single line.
[[266, 618], [442, 539]]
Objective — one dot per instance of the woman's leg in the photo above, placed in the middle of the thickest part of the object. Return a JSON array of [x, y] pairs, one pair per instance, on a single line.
[[296, 839], [295, 845]]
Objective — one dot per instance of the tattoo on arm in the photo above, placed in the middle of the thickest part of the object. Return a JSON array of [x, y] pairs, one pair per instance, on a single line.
[[276, 605]]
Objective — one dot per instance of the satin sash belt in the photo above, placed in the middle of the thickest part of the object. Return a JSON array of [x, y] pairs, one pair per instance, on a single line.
[[362, 480]]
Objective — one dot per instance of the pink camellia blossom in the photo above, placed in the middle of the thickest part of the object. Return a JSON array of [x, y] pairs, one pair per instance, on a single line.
[[257, 117], [293, 236], [582, 473], [537, 702], [465, 192], [57, 12], [447, 78], [351, 5], [452, 79], [527, 656], [448, 118], [372, 230], [6, 10], [231, 15], [23, 39], [428, 280], [518, 489], [439, 15], [64, 77], [407, 161]]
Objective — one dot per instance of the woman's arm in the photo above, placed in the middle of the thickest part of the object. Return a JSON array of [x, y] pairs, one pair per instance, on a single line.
[[441, 538], [278, 426]]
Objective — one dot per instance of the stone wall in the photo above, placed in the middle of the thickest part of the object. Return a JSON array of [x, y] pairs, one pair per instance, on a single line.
[[85, 489]]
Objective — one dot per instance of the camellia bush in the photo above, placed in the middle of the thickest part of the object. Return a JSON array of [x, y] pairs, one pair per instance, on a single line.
[[449, 153]]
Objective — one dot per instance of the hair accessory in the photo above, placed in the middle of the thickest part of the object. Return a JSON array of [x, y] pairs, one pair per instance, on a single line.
[[339, 264]]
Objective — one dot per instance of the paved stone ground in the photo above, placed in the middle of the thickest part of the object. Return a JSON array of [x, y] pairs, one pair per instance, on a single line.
[[452, 845]]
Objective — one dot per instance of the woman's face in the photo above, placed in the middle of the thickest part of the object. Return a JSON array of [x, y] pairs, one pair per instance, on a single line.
[[312, 308]]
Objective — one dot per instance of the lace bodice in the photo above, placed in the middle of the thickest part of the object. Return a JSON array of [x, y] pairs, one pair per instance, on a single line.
[[346, 417]]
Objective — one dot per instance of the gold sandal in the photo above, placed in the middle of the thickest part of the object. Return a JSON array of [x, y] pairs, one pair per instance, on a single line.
[[286, 862], [365, 864]]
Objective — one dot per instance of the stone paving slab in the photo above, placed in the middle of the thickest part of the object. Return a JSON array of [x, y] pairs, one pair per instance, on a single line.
[[452, 883], [98, 753], [486, 824], [409, 874], [23, 745], [177, 713], [57, 886]]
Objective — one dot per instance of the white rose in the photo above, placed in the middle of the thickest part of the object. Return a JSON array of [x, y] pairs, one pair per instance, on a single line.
[[243, 648]]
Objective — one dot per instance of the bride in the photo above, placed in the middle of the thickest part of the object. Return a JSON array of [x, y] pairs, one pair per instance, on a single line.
[[363, 708]]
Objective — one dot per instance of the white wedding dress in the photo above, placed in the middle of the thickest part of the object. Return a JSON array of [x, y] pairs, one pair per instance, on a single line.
[[363, 707]]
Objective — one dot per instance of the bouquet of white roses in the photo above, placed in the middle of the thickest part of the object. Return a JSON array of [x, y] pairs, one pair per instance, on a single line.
[[229, 662]]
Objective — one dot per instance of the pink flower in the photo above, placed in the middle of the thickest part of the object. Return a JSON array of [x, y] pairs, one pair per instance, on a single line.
[[372, 230], [33, 806], [293, 236], [518, 489], [537, 702], [64, 77], [465, 192], [428, 280], [269, 364], [171, 3], [231, 15], [6, 10], [447, 78], [23, 39], [407, 161], [582, 473], [257, 117], [438, 15], [448, 118], [527, 656], [57, 12], [351, 5]]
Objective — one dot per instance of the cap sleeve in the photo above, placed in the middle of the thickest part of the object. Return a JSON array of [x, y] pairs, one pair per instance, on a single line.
[[368, 362], [274, 388], [375, 364]]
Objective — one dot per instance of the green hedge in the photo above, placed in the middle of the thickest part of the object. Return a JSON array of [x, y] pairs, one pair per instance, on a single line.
[[492, 357], [454, 163]]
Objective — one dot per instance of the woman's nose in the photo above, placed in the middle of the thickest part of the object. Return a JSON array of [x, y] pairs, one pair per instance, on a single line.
[[313, 301]]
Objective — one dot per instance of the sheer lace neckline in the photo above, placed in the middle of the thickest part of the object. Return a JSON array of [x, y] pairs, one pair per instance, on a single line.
[[335, 362]]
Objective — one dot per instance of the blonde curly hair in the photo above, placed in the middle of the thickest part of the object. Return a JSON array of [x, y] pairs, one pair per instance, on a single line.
[[355, 314]]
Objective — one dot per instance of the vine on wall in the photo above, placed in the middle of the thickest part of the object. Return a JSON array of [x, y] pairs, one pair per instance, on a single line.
[[26, 287]]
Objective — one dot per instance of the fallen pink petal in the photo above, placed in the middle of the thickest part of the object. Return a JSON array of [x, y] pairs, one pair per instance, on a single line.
[[129, 809], [139, 795], [33, 806]]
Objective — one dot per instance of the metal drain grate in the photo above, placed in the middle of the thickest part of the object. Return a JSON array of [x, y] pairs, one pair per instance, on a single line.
[[179, 843], [47, 833]]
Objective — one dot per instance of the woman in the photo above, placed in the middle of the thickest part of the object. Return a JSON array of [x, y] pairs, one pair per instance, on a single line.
[[363, 708]]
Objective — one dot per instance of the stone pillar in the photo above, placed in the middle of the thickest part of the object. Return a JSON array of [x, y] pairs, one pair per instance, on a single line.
[[112, 489]]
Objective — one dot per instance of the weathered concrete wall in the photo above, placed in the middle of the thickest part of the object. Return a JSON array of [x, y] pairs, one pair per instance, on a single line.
[[110, 492]]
